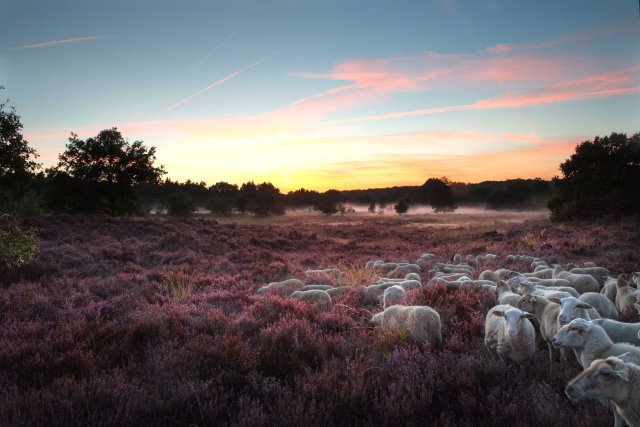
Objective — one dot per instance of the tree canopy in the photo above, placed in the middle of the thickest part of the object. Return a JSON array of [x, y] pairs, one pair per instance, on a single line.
[[437, 192], [105, 171], [600, 178]]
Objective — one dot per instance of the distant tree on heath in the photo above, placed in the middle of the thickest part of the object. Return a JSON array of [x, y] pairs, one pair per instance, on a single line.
[[401, 207], [180, 204], [600, 178], [223, 198], [372, 206], [437, 192], [101, 174]]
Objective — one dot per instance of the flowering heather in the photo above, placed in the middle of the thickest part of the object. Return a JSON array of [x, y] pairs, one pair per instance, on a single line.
[[153, 321]]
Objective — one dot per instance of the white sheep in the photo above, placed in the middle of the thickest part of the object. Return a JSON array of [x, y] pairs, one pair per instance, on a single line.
[[592, 342], [406, 269], [509, 332], [339, 290], [394, 295], [581, 282], [601, 303], [609, 289], [320, 298], [412, 276], [281, 288], [573, 308], [620, 331], [551, 282], [497, 275], [599, 273], [615, 379], [527, 287], [421, 322], [505, 295], [547, 313], [316, 287], [626, 295], [457, 259], [373, 293], [545, 273]]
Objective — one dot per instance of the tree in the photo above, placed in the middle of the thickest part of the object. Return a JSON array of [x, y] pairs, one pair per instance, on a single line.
[[600, 178], [437, 192], [180, 204], [106, 170], [401, 207], [372, 206], [17, 159], [222, 198]]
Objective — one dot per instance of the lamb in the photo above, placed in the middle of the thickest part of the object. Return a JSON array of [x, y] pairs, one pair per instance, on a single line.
[[593, 342], [505, 295], [547, 313], [581, 282], [281, 288], [394, 295], [620, 331], [321, 298], [421, 322], [609, 289], [625, 295], [602, 304], [509, 332], [614, 379], [599, 273], [573, 308]]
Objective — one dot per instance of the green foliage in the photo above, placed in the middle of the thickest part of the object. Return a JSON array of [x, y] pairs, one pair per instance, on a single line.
[[327, 203], [437, 192], [180, 204], [401, 207], [17, 163], [101, 174], [600, 178], [17, 246]]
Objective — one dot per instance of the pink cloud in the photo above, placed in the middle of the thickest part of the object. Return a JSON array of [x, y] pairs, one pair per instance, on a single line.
[[58, 42], [499, 49]]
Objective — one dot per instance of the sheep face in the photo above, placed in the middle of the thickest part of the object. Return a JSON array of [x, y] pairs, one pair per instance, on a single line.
[[376, 319], [513, 320], [571, 307], [573, 334], [527, 303], [601, 380]]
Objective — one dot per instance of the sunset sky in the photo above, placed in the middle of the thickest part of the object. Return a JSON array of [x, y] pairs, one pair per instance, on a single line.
[[327, 94]]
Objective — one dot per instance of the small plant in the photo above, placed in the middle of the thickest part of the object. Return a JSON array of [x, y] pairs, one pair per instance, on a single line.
[[531, 239], [177, 285], [17, 246]]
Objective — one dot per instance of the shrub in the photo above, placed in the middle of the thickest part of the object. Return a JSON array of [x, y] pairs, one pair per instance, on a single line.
[[17, 246]]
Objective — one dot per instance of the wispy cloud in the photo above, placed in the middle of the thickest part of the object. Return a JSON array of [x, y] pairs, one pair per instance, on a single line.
[[58, 42], [218, 83], [218, 46]]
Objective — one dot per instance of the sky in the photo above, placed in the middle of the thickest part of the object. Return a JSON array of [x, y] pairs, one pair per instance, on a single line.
[[341, 94]]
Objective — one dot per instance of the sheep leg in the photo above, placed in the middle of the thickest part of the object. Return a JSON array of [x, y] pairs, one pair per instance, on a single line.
[[618, 421]]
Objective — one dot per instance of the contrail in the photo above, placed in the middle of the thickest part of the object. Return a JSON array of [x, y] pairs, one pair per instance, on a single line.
[[218, 46], [219, 82], [57, 42]]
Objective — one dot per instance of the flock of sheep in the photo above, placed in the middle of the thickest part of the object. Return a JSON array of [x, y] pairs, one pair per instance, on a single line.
[[574, 311]]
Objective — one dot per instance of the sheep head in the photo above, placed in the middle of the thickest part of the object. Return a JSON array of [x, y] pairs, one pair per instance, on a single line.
[[601, 380]]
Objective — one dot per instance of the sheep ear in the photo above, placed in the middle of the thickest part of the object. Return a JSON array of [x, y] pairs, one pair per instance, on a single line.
[[621, 375], [498, 313], [626, 357], [584, 305], [530, 316], [554, 300]]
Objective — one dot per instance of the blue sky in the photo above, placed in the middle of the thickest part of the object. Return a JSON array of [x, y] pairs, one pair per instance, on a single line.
[[331, 94]]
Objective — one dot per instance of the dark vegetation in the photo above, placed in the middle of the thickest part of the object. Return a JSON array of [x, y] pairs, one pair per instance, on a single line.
[[154, 321]]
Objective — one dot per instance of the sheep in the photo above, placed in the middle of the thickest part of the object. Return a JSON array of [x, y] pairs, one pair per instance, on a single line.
[[509, 333], [281, 288], [385, 266], [546, 273], [625, 295], [614, 379], [339, 290], [412, 276], [457, 259], [547, 313], [405, 269], [573, 308], [599, 273], [372, 293], [593, 342], [421, 322], [610, 290], [394, 295], [620, 331], [497, 275], [550, 282], [635, 278], [505, 294], [538, 263], [321, 298], [581, 282], [530, 288], [316, 287], [426, 256], [324, 274], [601, 303], [370, 264], [484, 259]]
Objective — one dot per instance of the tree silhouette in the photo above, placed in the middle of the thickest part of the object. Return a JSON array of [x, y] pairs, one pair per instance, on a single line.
[[105, 172], [401, 207], [600, 178], [437, 192]]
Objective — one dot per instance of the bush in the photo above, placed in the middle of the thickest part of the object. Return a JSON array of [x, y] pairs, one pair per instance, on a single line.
[[17, 246], [180, 204]]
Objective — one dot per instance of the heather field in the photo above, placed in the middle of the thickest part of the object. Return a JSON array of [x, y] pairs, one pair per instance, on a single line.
[[155, 321]]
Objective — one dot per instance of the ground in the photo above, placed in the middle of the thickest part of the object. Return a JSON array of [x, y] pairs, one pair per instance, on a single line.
[[155, 321]]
